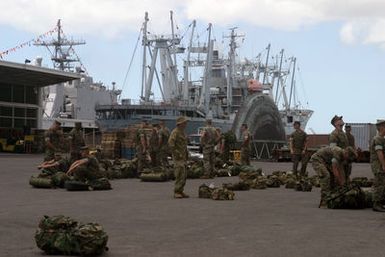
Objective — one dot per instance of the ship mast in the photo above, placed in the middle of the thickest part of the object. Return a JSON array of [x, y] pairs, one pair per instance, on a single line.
[[205, 92], [292, 82], [63, 54], [144, 63], [187, 64]]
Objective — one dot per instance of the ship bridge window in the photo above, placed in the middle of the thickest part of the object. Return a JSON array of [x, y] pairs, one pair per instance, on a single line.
[[289, 119]]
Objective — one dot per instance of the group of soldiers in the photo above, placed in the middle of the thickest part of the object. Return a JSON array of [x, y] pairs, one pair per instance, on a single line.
[[333, 164], [81, 165], [152, 145]]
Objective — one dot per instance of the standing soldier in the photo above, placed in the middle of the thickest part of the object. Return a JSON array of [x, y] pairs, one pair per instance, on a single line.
[[154, 145], [53, 139], [377, 161], [76, 141], [338, 138], [178, 146], [298, 147], [164, 134], [229, 139], [328, 163], [209, 139], [246, 145], [141, 147], [350, 137]]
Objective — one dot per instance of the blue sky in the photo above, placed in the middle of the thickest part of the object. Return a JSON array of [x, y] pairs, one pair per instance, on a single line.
[[339, 47]]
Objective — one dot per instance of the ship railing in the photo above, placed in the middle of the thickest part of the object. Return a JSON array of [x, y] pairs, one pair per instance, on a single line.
[[263, 149]]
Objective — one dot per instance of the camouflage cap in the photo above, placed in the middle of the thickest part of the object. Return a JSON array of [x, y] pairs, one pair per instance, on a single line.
[[335, 118], [181, 120], [83, 148], [352, 154]]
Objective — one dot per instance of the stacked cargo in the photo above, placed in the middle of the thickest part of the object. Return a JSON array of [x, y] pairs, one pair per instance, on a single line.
[[111, 144], [128, 143]]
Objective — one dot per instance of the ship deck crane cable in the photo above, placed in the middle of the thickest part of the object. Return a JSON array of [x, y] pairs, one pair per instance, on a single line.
[[132, 59]]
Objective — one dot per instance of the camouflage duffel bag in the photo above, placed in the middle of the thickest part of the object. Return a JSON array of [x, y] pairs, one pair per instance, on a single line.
[[362, 181], [222, 194], [273, 181], [100, 184], [74, 185], [153, 177], [91, 239], [347, 197], [65, 236], [54, 235], [59, 178], [205, 191], [38, 182]]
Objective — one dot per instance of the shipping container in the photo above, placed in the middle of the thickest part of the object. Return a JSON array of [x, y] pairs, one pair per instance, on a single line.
[[363, 134]]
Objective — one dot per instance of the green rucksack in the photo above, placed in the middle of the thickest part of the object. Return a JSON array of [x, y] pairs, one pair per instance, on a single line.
[[65, 236], [205, 191], [54, 235]]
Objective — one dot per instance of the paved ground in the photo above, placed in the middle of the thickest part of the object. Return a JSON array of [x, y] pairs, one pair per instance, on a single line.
[[142, 219]]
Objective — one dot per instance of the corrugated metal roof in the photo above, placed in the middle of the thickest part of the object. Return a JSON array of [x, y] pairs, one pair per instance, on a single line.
[[29, 75]]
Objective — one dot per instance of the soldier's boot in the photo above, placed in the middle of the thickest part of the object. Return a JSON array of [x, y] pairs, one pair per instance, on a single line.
[[378, 207], [178, 195], [185, 195], [322, 204]]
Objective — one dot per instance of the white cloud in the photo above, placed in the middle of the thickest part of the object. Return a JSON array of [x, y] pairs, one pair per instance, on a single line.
[[363, 21]]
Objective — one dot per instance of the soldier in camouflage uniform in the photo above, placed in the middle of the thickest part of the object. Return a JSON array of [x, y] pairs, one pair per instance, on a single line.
[[58, 164], [349, 136], [85, 169], [338, 138], [246, 145], [53, 140], [142, 147], [298, 147], [154, 145], [228, 141], [76, 141], [178, 146], [328, 163], [209, 139], [164, 134], [377, 163]]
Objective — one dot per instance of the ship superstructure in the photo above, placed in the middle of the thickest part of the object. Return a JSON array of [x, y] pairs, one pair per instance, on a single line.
[[73, 101]]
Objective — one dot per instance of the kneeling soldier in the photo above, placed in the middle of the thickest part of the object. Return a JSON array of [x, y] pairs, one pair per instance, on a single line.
[[87, 168]]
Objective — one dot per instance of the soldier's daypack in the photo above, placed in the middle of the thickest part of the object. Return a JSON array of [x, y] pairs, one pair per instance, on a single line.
[[303, 185], [74, 185], [100, 184], [205, 191], [65, 236]]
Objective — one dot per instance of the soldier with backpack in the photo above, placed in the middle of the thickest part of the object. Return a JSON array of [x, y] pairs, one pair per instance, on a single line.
[[209, 140]]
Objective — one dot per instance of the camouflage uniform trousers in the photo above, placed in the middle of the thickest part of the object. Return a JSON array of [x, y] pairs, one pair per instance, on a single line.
[[209, 161], [326, 177], [82, 173], [378, 184], [347, 171], [180, 176], [304, 159], [49, 155], [245, 156], [154, 158], [163, 154], [142, 160]]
